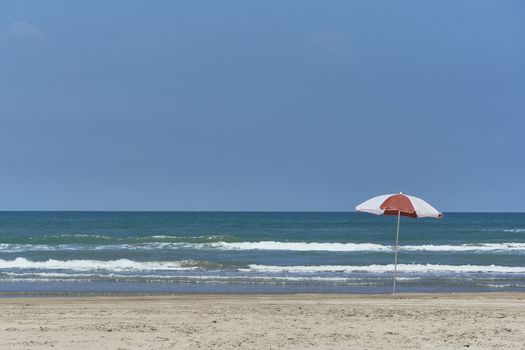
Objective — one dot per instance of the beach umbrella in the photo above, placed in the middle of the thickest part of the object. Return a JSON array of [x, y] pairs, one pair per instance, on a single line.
[[399, 205]]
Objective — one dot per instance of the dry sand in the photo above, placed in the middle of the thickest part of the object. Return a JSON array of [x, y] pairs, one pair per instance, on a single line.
[[412, 321]]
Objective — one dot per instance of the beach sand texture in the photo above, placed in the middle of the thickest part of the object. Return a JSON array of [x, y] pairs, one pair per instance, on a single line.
[[411, 321]]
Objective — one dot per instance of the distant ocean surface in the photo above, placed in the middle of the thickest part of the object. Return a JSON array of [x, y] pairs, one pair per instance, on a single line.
[[281, 252]]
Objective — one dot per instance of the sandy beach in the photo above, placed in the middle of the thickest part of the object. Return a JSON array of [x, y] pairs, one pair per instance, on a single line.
[[417, 321]]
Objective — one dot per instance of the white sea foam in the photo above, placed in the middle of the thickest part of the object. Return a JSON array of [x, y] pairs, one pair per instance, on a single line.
[[125, 265], [271, 245], [354, 247], [13, 247], [300, 246], [468, 247], [163, 236], [410, 268], [89, 265], [515, 230]]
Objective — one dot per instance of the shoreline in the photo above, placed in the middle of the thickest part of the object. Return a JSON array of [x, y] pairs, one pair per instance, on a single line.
[[262, 321]]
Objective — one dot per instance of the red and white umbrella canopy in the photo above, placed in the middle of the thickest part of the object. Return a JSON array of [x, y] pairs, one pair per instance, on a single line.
[[392, 204]]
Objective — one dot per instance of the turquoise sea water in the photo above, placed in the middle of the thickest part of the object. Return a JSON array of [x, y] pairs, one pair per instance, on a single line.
[[148, 252]]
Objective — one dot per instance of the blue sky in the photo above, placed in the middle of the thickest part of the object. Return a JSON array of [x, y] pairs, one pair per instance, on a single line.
[[270, 105]]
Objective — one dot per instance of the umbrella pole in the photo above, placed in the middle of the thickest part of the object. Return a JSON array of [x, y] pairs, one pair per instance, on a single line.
[[396, 249]]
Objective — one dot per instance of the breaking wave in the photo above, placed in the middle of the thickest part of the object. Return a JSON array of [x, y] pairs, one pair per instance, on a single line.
[[126, 265], [269, 245], [352, 247], [409, 268], [109, 265]]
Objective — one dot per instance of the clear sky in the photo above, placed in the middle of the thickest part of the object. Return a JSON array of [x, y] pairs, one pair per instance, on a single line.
[[261, 105]]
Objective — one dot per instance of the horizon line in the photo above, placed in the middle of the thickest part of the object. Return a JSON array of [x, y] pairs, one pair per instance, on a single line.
[[230, 211]]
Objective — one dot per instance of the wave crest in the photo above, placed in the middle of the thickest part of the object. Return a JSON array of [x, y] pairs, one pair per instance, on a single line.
[[372, 247], [269, 245], [409, 268], [110, 265]]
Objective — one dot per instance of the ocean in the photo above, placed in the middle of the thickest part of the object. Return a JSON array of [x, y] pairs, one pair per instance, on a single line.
[[257, 252]]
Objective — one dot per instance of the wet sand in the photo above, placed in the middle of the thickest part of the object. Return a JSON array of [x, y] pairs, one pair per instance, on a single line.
[[410, 321]]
